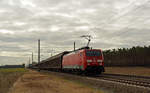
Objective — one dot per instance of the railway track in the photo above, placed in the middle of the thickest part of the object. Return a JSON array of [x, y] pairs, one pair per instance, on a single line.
[[141, 81], [138, 81]]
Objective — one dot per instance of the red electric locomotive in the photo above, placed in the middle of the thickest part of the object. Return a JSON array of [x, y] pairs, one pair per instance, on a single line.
[[84, 61]]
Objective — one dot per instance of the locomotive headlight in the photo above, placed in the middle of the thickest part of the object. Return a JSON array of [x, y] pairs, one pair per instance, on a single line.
[[89, 61], [99, 60]]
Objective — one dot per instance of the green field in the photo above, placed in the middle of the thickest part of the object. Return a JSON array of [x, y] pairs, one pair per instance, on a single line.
[[8, 76], [5, 70]]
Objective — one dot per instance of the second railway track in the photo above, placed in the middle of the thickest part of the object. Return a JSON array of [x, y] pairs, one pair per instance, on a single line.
[[140, 81]]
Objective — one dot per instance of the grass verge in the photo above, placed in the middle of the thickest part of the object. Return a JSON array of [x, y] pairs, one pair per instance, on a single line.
[[8, 76], [73, 80]]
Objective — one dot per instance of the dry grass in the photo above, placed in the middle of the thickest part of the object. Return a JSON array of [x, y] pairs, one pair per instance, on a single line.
[[143, 71], [8, 77], [75, 87], [35, 82]]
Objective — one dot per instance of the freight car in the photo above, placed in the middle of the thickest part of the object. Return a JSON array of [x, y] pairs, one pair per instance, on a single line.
[[84, 60], [52, 63]]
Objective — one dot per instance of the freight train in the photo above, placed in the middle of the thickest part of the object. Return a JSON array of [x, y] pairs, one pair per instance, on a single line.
[[82, 61]]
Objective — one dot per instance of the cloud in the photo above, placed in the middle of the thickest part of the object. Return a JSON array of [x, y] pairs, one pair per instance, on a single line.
[[58, 23]]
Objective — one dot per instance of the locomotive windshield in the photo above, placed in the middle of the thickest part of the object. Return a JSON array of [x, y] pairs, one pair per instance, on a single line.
[[93, 53]]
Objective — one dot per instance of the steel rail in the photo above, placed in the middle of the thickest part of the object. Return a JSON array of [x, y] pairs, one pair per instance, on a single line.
[[128, 79]]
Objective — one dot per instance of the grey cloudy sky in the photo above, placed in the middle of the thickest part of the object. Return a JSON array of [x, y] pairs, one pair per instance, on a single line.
[[58, 23]]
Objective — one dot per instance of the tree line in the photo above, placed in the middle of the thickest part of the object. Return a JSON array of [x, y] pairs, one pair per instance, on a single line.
[[135, 56]]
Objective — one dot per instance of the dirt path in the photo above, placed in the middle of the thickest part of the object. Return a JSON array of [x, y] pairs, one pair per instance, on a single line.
[[35, 82]]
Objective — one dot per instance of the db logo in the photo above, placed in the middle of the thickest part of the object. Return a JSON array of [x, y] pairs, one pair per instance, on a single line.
[[94, 60]]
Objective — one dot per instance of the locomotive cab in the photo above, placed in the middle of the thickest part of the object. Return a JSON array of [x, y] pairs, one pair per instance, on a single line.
[[94, 62]]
